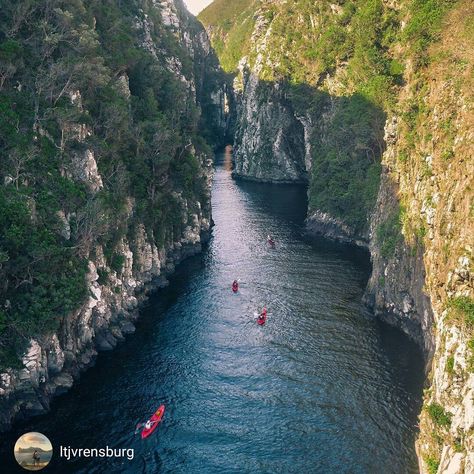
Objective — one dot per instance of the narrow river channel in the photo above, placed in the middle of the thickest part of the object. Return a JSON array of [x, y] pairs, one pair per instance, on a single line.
[[321, 388]]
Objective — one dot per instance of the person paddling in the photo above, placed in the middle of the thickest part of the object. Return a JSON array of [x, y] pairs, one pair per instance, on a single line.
[[271, 242], [149, 427], [263, 315], [145, 426], [149, 424], [235, 286]]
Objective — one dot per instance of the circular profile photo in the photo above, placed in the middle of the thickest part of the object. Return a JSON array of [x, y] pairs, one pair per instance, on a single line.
[[33, 451]]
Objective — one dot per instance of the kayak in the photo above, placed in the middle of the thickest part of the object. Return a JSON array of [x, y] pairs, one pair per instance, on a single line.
[[271, 243], [235, 288], [261, 322], [157, 417]]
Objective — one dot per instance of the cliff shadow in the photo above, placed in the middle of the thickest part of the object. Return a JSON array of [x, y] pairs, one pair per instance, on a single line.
[[338, 142], [395, 291], [299, 133]]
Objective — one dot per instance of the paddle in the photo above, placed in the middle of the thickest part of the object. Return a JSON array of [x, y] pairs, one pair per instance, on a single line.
[[257, 315], [141, 425]]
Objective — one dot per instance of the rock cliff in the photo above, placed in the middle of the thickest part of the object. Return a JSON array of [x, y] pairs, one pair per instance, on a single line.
[[106, 178], [375, 102]]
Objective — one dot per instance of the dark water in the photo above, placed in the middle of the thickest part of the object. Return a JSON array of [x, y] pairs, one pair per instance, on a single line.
[[322, 388]]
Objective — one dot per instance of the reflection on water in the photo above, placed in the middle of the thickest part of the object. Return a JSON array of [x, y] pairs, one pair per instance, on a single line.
[[227, 159]]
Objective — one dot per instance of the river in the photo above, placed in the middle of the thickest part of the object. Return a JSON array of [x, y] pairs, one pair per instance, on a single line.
[[321, 388]]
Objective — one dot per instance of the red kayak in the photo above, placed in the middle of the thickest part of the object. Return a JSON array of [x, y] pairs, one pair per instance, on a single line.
[[155, 419], [262, 319], [235, 288]]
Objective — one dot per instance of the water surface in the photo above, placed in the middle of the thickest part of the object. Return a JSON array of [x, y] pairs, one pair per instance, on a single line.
[[321, 388]]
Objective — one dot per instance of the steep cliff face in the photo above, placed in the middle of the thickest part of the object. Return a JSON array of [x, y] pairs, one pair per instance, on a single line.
[[383, 93], [430, 160], [269, 141], [300, 116], [269, 138], [105, 178]]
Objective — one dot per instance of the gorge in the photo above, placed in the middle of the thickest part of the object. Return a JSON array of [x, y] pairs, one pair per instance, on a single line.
[[106, 167], [371, 103]]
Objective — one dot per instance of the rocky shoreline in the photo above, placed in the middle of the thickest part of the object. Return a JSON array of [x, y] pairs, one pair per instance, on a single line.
[[394, 292], [322, 224], [54, 362]]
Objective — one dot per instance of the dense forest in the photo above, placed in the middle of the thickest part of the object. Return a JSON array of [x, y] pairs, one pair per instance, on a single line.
[[99, 130]]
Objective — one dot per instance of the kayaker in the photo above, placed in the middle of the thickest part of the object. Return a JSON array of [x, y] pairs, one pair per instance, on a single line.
[[271, 241], [149, 424], [235, 286]]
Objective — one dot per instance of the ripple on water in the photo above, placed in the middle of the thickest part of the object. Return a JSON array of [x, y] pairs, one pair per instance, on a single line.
[[321, 388]]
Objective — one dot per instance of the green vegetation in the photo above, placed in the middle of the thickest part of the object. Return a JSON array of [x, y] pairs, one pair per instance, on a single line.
[[463, 306], [356, 43], [232, 25], [103, 276], [63, 69], [389, 234], [346, 162], [432, 464], [450, 365], [462, 310], [470, 362], [306, 42], [458, 445], [439, 415], [424, 26]]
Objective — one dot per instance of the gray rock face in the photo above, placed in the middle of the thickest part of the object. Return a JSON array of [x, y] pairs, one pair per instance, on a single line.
[[270, 140], [323, 224], [52, 363], [396, 287]]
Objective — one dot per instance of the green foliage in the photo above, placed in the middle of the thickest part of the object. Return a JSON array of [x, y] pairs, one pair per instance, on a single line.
[[470, 362], [464, 307], [103, 276], [420, 233], [458, 445], [346, 168], [43, 279], [424, 26], [450, 365], [438, 414], [389, 234], [116, 262], [9, 50], [222, 12], [432, 464], [396, 69], [233, 24], [307, 41], [143, 144]]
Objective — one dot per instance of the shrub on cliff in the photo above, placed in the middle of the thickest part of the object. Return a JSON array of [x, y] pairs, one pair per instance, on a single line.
[[389, 234], [464, 307], [64, 97], [439, 415]]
